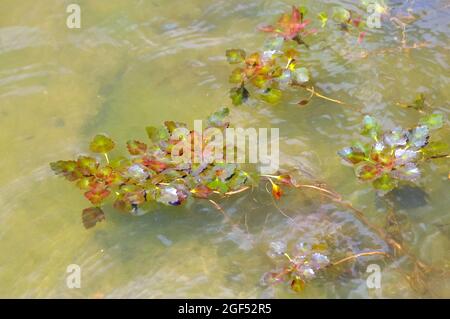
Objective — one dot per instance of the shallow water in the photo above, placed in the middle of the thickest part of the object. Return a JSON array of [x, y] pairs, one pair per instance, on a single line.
[[138, 63]]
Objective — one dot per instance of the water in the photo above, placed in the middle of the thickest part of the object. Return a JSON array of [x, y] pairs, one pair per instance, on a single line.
[[138, 63]]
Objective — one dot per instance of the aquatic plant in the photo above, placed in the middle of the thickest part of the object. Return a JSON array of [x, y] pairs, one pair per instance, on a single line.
[[150, 173], [393, 156], [266, 74], [307, 263], [299, 269], [274, 69]]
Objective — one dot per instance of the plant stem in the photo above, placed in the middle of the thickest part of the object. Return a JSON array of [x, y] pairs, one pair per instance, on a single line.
[[370, 253]]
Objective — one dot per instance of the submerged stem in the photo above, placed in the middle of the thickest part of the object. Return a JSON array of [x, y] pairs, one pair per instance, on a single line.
[[370, 253]]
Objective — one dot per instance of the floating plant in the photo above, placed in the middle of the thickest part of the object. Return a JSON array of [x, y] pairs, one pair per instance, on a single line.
[[299, 269], [266, 74], [150, 174], [394, 156]]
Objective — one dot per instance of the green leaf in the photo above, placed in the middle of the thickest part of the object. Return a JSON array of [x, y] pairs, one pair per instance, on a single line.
[[259, 80], [419, 103], [87, 165], [403, 156], [366, 172], [68, 169], [433, 121], [172, 126], [239, 95], [85, 183], [341, 15], [418, 137], [218, 185], [238, 180], [91, 216], [157, 134], [396, 137], [271, 95], [407, 172], [370, 127], [323, 16], [236, 76], [353, 154], [301, 75], [435, 149], [235, 56], [101, 144], [385, 183], [303, 10], [298, 284], [217, 118]]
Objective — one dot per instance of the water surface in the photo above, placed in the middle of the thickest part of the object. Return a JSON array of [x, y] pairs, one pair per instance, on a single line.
[[137, 63]]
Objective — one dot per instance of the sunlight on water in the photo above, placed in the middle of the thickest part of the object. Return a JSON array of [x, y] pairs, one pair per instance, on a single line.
[[138, 63]]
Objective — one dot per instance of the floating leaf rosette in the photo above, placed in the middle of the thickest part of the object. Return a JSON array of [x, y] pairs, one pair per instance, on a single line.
[[299, 269], [393, 156], [266, 74], [151, 174]]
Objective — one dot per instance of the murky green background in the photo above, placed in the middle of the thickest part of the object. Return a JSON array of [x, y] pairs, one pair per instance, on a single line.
[[136, 63]]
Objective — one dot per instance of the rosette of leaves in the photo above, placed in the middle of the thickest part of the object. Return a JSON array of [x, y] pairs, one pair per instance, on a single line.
[[393, 156], [347, 20], [299, 269], [265, 74], [290, 26], [149, 174]]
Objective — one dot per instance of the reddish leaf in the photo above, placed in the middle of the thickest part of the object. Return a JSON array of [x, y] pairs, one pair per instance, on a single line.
[[288, 26], [97, 193], [361, 37], [367, 172], [91, 216], [287, 180], [154, 165], [136, 147], [276, 191], [201, 191]]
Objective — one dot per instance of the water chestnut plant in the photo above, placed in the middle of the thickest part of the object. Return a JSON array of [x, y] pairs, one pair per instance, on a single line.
[[394, 156], [150, 175]]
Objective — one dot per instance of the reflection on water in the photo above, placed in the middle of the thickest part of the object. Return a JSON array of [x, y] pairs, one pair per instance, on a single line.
[[138, 63]]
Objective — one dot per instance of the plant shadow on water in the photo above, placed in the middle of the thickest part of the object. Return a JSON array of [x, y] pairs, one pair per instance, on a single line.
[[408, 197]]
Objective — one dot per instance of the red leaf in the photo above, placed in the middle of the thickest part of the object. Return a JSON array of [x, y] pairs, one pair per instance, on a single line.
[[288, 26], [276, 191], [97, 193], [201, 191], [287, 180], [361, 37], [91, 216], [154, 165], [136, 147], [295, 15]]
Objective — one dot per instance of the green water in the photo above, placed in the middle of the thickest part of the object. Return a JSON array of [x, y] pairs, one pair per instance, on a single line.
[[136, 63]]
